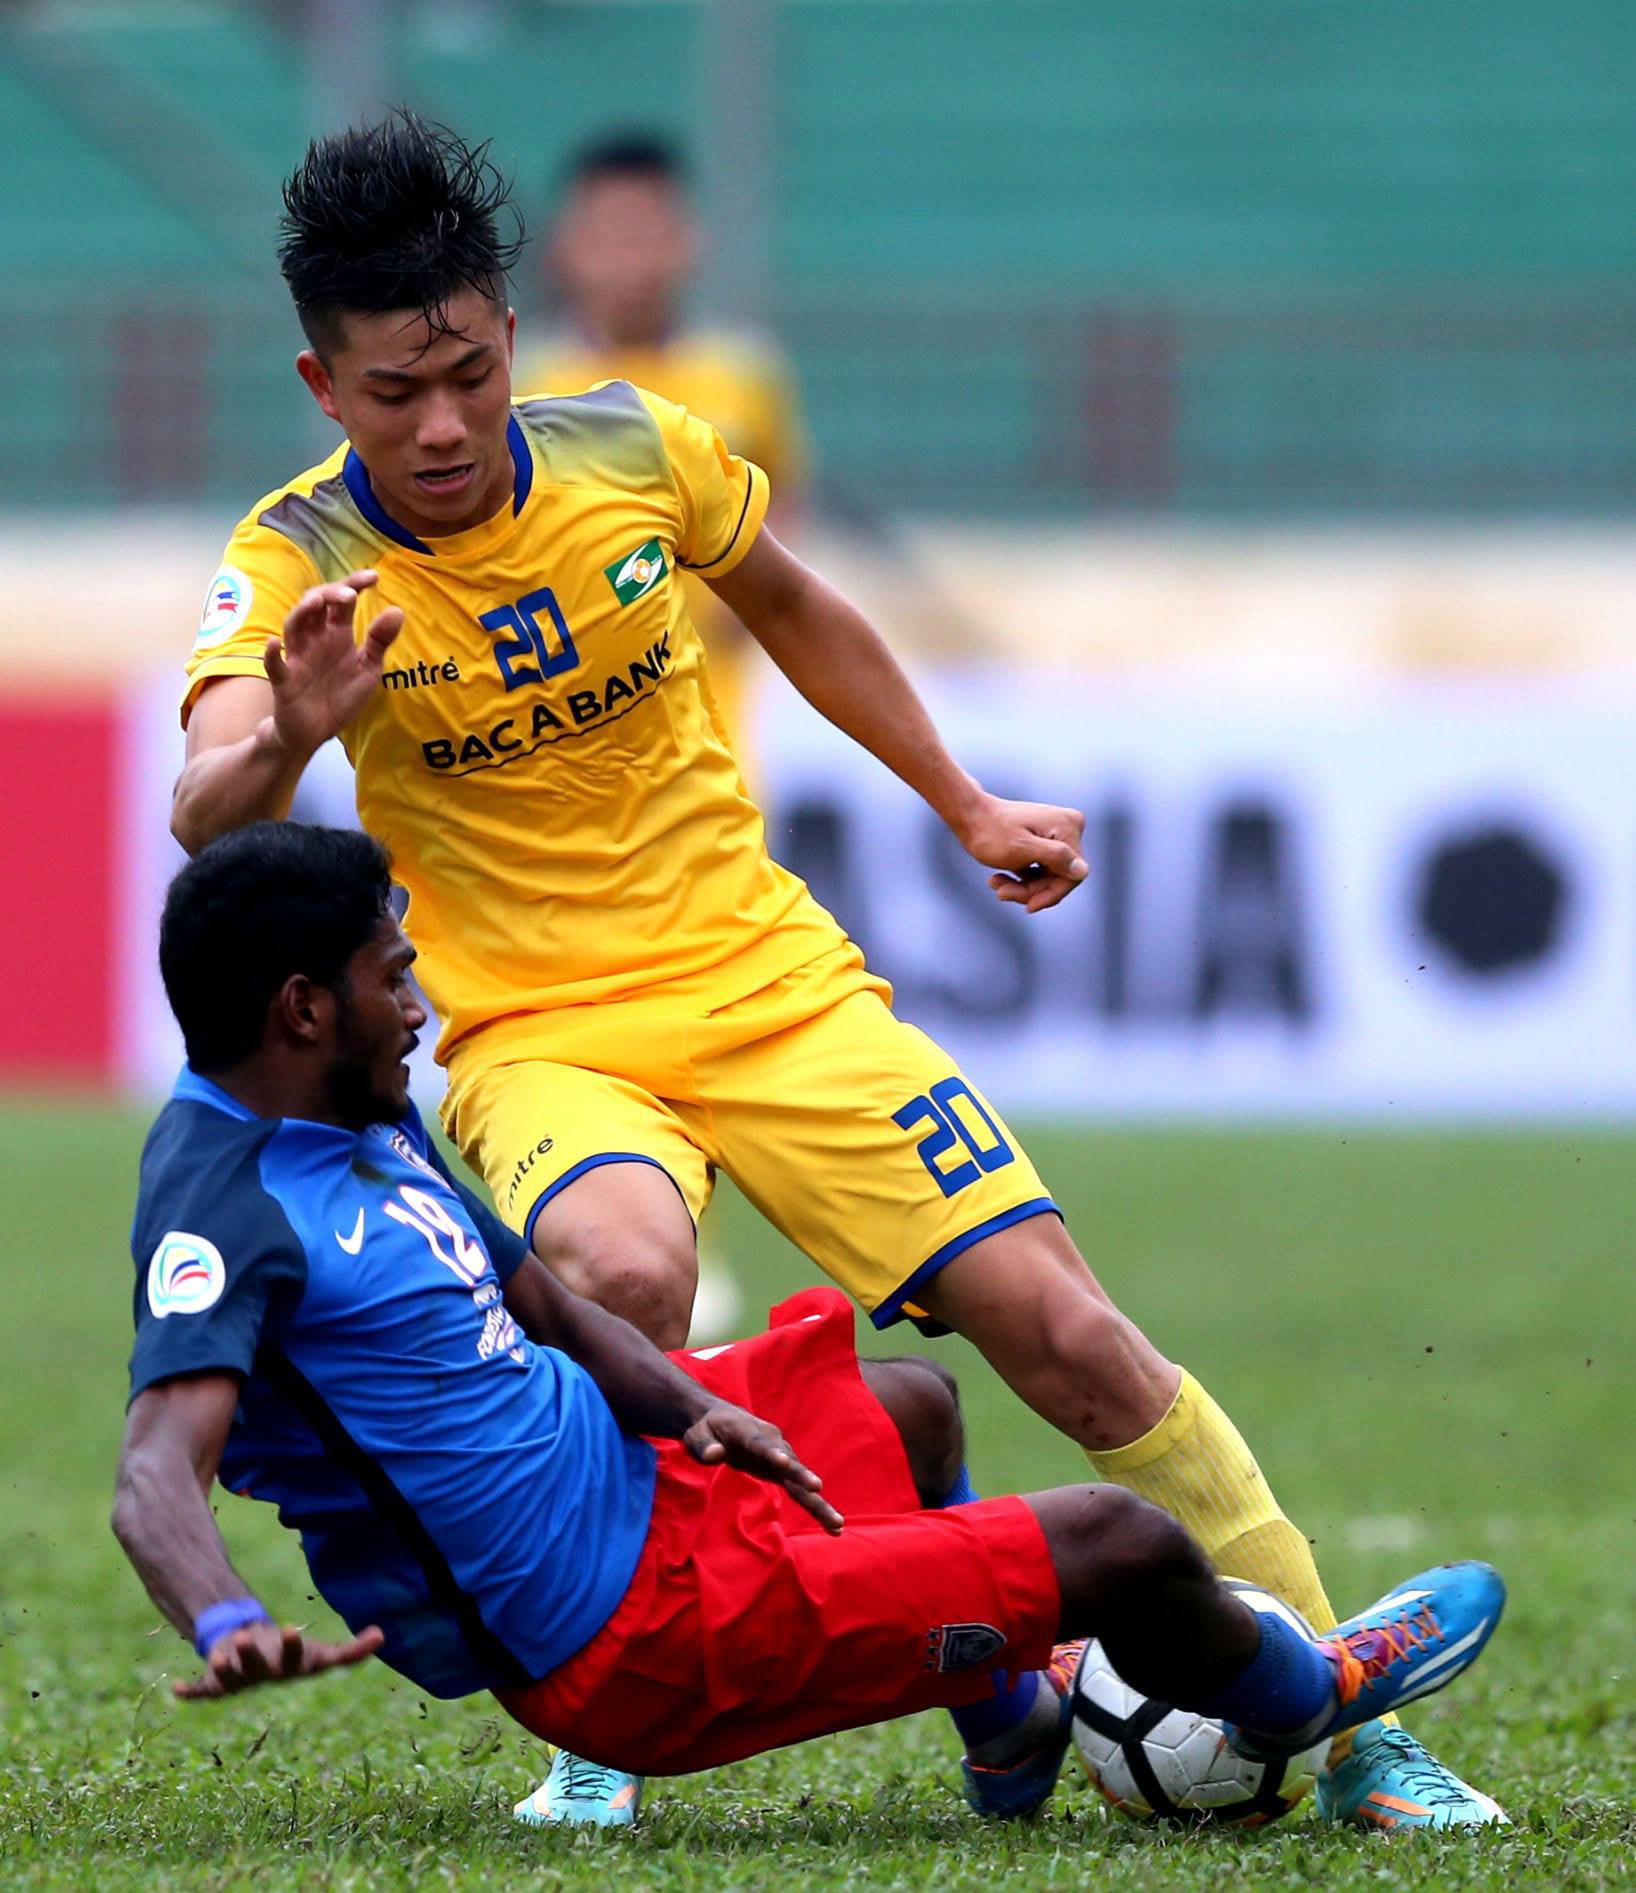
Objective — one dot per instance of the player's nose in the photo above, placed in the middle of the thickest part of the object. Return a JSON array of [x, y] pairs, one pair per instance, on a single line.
[[441, 427]]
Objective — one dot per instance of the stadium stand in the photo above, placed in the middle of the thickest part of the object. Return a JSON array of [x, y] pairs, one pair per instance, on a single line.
[[1294, 260]]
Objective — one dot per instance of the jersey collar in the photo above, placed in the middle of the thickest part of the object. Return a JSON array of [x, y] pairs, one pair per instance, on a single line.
[[190, 1088], [356, 476]]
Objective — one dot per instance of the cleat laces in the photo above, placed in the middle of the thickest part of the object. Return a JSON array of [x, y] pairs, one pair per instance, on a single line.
[[1421, 1773], [1064, 1663], [1364, 1656], [583, 1781]]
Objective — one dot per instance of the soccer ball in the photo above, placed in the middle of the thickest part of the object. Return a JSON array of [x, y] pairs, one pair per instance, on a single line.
[[1155, 1763]]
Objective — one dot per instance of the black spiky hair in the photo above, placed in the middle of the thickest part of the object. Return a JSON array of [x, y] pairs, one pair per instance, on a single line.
[[398, 215]]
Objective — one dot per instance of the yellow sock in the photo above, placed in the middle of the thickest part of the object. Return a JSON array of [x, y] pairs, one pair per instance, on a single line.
[[1195, 1464]]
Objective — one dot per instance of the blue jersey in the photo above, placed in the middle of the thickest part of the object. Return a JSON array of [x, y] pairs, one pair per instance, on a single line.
[[468, 1491]]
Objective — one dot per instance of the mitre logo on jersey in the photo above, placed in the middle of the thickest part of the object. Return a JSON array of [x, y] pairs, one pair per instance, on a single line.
[[226, 607], [186, 1276], [634, 576]]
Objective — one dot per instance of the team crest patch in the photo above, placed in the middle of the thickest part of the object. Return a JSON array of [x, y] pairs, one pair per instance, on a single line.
[[226, 607], [962, 1646], [634, 576], [186, 1276]]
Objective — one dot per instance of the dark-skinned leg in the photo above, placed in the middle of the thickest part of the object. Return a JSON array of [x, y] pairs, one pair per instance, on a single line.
[[1134, 1579], [1027, 1300], [921, 1401]]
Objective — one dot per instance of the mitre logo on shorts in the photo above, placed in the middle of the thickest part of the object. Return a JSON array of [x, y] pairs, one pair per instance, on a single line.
[[186, 1276], [526, 1163], [226, 606], [962, 1646]]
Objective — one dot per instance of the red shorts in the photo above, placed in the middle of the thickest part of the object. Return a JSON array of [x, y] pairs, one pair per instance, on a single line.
[[747, 1626]]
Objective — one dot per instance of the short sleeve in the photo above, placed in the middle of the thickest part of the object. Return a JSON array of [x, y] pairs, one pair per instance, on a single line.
[[722, 499], [261, 576], [215, 1267]]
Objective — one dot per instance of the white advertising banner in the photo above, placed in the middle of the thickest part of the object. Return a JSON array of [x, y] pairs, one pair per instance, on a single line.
[[1400, 901], [1407, 900]]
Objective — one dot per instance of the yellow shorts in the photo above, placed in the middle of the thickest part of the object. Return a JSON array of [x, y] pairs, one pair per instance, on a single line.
[[850, 1131]]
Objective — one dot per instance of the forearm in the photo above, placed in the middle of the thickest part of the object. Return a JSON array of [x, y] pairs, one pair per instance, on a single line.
[[646, 1390], [842, 666], [164, 1522], [228, 787]]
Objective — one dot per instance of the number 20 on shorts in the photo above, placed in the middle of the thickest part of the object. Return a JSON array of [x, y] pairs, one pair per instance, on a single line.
[[958, 1118]]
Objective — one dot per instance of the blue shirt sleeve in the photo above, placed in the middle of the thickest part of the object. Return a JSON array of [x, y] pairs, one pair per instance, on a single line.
[[217, 1266], [505, 1247]]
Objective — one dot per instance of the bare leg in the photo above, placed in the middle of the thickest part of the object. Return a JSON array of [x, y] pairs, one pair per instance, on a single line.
[[920, 1399], [621, 1235], [1026, 1298], [1132, 1577]]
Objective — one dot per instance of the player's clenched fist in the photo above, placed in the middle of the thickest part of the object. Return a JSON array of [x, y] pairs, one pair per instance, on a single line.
[[1036, 844], [727, 1435], [272, 1653], [322, 675]]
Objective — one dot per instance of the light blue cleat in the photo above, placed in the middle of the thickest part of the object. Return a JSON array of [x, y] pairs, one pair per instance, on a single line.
[[1414, 1641], [1019, 1790], [578, 1793], [1389, 1781]]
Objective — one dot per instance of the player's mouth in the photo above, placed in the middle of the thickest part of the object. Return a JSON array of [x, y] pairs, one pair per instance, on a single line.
[[447, 480]]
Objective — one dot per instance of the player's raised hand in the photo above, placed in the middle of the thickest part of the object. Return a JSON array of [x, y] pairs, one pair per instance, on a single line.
[[322, 675], [727, 1435], [1035, 843], [272, 1653]]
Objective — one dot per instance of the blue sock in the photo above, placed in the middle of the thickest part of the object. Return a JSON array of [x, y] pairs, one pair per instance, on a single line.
[[980, 1722], [962, 1492], [1288, 1684]]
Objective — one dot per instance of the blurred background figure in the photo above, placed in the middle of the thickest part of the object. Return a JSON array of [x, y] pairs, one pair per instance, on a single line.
[[619, 264]]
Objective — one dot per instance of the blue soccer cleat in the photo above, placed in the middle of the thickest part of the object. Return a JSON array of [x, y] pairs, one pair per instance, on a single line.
[[1023, 1787], [578, 1793], [1421, 1636], [1389, 1781]]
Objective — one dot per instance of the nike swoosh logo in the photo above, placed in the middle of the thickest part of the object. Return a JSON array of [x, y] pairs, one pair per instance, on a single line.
[[353, 1243]]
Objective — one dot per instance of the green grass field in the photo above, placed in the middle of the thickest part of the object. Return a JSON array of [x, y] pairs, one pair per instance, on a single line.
[[1430, 1339]]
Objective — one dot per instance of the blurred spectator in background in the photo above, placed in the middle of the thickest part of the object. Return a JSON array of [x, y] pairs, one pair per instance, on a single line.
[[620, 261]]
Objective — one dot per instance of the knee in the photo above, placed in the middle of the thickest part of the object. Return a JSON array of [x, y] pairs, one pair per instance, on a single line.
[[1129, 1543], [646, 1277], [923, 1402], [1093, 1372]]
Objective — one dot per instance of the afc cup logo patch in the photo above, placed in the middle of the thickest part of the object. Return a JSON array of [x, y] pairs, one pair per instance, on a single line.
[[962, 1646], [186, 1276], [226, 606]]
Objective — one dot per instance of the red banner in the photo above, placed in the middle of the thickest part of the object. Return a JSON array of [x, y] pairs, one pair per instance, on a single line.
[[58, 854]]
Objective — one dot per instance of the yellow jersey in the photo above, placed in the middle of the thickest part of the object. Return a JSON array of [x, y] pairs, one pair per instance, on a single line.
[[543, 757], [742, 387], [747, 392]]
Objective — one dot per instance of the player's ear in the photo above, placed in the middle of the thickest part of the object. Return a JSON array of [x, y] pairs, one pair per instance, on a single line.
[[310, 367], [304, 1011], [511, 335]]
